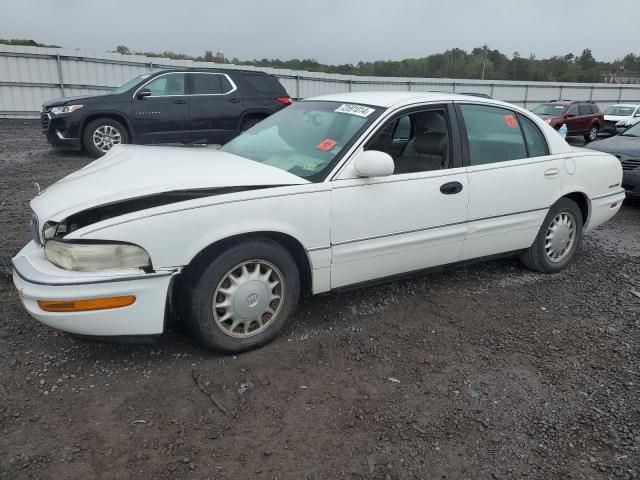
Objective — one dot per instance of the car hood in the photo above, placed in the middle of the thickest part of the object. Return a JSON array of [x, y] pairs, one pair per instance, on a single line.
[[616, 118], [56, 102], [129, 172], [619, 144]]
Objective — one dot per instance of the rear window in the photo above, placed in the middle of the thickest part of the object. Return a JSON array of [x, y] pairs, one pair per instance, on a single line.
[[210, 84], [584, 109], [265, 84], [595, 108]]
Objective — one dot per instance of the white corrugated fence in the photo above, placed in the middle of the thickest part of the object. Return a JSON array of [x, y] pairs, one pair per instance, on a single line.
[[30, 76]]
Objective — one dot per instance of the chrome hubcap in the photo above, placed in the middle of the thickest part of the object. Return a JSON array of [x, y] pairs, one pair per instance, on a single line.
[[561, 236], [248, 298], [105, 137]]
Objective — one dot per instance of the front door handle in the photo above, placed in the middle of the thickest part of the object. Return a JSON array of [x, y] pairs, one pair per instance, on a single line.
[[180, 101], [234, 100], [451, 188]]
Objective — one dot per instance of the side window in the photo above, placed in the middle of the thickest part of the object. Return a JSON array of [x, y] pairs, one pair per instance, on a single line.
[[573, 110], [595, 108], [210, 84], [170, 84], [584, 109], [536, 143], [417, 141], [493, 134]]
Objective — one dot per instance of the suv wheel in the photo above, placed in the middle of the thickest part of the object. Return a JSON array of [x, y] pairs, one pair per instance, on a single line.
[[102, 134], [593, 134], [244, 297]]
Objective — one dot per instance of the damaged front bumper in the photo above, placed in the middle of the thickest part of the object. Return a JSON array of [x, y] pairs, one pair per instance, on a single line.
[[38, 280]]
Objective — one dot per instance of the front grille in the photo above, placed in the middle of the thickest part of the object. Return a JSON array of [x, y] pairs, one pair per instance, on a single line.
[[630, 163], [44, 120]]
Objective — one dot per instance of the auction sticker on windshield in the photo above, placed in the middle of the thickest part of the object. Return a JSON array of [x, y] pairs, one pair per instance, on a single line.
[[358, 110]]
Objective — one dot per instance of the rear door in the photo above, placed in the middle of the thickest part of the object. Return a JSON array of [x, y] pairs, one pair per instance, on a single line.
[[512, 180], [216, 107], [574, 125], [162, 117], [586, 116]]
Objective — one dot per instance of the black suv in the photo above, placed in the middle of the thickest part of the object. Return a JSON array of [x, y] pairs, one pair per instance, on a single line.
[[170, 106]]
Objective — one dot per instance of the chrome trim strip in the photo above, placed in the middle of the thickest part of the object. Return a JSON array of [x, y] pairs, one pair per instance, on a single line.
[[235, 87], [28, 273], [437, 226], [315, 249], [611, 194]]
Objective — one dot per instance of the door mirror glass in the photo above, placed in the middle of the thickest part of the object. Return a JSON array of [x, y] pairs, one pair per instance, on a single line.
[[373, 163], [145, 92]]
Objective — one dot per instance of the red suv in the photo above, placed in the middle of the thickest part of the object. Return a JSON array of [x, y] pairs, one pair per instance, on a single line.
[[581, 118]]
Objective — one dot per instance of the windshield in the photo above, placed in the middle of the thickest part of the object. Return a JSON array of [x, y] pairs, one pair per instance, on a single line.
[[619, 110], [632, 131], [130, 84], [549, 109], [306, 138]]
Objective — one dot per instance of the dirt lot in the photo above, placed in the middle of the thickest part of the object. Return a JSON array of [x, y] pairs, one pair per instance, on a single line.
[[497, 373]]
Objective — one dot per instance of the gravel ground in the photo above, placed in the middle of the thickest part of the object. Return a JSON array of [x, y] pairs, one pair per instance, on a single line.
[[483, 371]]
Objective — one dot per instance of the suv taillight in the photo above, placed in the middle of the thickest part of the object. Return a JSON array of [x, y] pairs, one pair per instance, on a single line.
[[285, 100]]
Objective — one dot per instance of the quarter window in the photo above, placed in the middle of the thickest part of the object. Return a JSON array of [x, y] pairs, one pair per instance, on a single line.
[[210, 84], [493, 134], [584, 109], [536, 143], [169, 84]]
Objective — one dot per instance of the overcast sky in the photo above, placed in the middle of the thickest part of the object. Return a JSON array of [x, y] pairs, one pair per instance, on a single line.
[[330, 31]]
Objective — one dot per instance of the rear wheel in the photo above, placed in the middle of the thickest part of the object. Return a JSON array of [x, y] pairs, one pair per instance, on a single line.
[[102, 134], [593, 133], [558, 238], [244, 297]]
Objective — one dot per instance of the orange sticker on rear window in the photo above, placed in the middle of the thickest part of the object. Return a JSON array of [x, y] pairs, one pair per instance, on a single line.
[[326, 145], [511, 121]]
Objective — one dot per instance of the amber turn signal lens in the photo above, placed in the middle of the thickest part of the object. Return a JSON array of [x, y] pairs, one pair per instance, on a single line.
[[86, 305]]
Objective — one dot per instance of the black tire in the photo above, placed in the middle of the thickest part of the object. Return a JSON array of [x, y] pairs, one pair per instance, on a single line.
[[91, 127], [199, 312], [593, 133], [535, 257], [250, 122]]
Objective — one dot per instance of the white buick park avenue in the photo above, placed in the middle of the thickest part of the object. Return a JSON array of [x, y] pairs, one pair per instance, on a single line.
[[330, 192]]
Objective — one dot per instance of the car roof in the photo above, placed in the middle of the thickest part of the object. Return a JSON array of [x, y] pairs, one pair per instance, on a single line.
[[214, 70], [389, 99]]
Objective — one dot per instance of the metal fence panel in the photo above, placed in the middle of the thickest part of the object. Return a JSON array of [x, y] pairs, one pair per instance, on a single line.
[[30, 76]]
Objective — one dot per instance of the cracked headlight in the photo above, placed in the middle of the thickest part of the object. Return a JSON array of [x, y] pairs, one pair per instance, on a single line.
[[94, 257]]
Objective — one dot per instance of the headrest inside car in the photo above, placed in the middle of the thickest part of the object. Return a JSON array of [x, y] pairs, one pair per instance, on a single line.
[[431, 144]]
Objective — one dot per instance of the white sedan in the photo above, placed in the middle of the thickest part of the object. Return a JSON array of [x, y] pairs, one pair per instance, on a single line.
[[330, 192]]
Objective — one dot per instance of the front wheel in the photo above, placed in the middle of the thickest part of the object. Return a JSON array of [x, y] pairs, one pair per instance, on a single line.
[[244, 297], [102, 134], [593, 134], [558, 238]]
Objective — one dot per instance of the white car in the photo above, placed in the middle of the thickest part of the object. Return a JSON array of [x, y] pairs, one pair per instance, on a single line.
[[330, 192], [620, 117]]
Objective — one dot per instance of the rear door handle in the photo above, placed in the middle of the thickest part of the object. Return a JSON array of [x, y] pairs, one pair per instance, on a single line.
[[451, 188], [551, 173], [180, 101], [234, 100]]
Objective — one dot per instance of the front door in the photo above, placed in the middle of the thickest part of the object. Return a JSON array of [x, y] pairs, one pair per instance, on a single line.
[[512, 180], [163, 117], [216, 107], [408, 221]]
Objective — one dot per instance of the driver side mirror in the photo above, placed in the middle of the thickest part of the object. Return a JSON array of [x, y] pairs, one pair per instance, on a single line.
[[570, 115], [145, 92], [373, 163]]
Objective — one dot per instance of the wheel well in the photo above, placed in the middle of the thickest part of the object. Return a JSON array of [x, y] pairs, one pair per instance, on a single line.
[[112, 116], [583, 202], [293, 246], [253, 115]]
